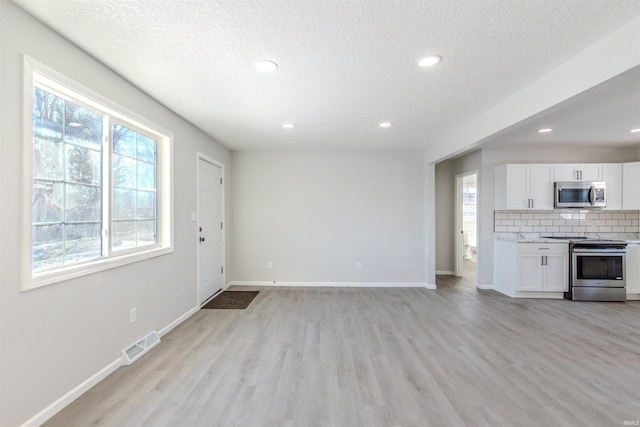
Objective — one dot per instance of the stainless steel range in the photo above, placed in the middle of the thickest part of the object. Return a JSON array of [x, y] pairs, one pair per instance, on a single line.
[[597, 270]]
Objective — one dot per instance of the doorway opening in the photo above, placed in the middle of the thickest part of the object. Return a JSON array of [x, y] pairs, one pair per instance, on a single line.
[[466, 237]]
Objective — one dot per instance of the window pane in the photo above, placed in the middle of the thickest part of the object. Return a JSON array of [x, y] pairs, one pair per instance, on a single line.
[[146, 176], [83, 241], [124, 235], [124, 172], [47, 202], [48, 246], [48, 160], [146, 205], [83, 165], [124, 141], [47, 114], [124, 204], [83, 203], [146, 233], [146, 149], [82, 127]]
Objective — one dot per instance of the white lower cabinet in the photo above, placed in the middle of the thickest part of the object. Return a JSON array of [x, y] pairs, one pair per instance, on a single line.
[[531, 270], [633, 270]]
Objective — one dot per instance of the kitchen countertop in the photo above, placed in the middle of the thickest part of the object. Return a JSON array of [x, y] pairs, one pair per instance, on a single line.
[[536, 238]]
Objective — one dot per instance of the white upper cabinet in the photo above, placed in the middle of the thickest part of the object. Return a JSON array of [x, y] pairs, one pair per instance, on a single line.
[[523, 186], [578, 172], [630, 186], [612, 176]]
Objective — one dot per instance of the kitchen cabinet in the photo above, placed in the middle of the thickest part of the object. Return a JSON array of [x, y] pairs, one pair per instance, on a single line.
[[631, 186], [531, 270], [524, 186], [578, 172], [633, 269], [612, 176], [543, 267]]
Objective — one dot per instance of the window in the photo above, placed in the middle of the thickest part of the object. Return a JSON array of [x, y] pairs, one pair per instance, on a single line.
[[469, 202], [97, 178]]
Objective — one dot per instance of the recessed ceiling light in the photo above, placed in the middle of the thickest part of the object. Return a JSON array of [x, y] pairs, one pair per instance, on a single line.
[[266, 66], [545, 130], [288, 125], [429, 61], [634, 130], [385, 124]]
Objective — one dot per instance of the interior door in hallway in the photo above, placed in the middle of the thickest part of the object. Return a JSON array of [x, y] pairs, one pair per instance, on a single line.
[[210, 229]]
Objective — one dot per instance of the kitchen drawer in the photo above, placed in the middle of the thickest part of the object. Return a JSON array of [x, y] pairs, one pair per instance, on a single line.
[[543, 248]]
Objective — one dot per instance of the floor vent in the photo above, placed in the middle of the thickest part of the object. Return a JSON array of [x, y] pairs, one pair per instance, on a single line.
[[139, 349]]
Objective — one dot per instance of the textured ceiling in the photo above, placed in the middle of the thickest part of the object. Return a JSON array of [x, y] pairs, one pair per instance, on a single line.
[[344, 66]]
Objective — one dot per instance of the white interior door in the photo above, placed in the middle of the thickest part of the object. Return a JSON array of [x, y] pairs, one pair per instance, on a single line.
[[210, 229]]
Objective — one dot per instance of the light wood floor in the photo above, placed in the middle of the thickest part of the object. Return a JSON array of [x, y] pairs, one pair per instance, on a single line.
[[382, 357]]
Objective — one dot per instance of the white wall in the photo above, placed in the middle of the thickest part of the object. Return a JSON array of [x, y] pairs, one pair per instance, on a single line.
[[55, 337], [314, 214]]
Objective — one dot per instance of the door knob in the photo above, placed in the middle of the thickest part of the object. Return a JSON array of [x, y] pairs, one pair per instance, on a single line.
[[200, 228], [202, 239]]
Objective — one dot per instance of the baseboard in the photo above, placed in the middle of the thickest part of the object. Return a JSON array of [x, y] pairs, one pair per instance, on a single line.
[[162, 332], [48, 412], [633, 297], [334, 284], [486, 287], [445, 273]]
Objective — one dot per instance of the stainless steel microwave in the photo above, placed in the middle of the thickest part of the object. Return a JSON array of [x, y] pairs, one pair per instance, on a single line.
[[580, 194]]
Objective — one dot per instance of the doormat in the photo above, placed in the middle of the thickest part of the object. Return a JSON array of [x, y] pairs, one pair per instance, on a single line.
[[232, 300]]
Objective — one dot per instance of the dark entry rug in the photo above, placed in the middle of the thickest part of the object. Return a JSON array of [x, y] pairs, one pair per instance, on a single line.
[[232, 299]]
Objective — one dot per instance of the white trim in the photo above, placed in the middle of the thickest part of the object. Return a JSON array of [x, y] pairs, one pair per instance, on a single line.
[[633, 297], [334, 284], [485, 287], [48, 412], [445, 273], [70, 272], [204, 157], [164, 331]]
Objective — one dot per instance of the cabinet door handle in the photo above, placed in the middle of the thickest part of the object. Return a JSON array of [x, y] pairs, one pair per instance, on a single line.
[[531, 203]]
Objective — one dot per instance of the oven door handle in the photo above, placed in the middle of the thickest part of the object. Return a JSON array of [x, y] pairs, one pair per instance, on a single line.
[[608, 251]]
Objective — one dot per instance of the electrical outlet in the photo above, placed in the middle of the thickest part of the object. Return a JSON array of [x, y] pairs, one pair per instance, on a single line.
[[358, 265], [269, 265], [132, 315]]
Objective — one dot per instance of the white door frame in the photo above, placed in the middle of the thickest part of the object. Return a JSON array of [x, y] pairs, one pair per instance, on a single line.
[[204, 157], [457, 238]]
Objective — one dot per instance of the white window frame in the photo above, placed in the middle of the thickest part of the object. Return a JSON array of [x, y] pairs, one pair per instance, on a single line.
[[36, 71]]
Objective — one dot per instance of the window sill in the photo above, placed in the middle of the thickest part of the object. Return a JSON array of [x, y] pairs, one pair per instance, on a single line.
[[79, 270]]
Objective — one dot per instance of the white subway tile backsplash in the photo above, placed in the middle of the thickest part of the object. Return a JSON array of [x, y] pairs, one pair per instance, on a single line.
[[567, 222]]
